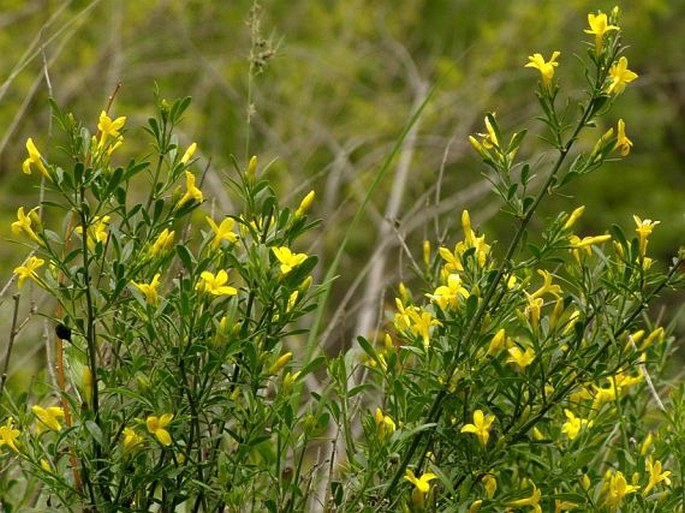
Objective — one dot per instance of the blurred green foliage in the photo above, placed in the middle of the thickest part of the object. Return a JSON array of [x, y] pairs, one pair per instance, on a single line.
[[340, 81]]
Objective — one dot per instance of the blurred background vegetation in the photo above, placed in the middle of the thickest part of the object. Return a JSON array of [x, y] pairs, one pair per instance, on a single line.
[[337, 82]]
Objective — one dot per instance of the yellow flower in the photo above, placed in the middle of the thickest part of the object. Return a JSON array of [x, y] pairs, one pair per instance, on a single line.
[[448, 295], [34, 159], [623, 144], [656, 475], [421, 486], [215, 284], [490, 485], [480, 427], [490, 136], [574, 424], [282, 361], [45, 465], [149, 290], [646, 443], [97, 232], [48, 417], [163, 242], [616, 488], [386, 426], [192, 192], [599, 26], [131, 438], [521, 358], [28, 270], [305, 204], [156, 426], [189, 153], [222, 232], [533, 500], [547, 287], [533, 310], [475, 506], [620, 76], [497, 343], [109, 128], [546, 69], [644, 230], [23, 224], [420, 324], [288, 259], [575, 215], [9, 435]]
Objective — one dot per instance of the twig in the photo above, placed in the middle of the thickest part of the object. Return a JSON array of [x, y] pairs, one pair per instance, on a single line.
[[10, 344]]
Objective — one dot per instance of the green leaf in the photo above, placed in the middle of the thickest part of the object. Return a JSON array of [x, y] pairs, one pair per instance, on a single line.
[[94, 431]]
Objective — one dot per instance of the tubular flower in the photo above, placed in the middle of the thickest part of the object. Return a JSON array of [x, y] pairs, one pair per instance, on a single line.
[[574, 424], [521, 358], [420, 324], [131, 439], [97, 232], [656, 475], [305, 204], [497, 343], [192, 192], [282, 361], [547, 287], [288, 259], [28, 270], [23, 224], [47, 417], [490, 136], [149, 290], [215, 284], [599, 25], [533, 310], [623, 144], [616, 488], [421, 486], [384, 423], [490, 485], [163, 242], [448, 295], [189, 153], [34, 159], [533, 500], [644, 230], [546, 69], [9, 435], [575, 215], [109, 128], [222, 232], [620, 76], [480, 427], [156, 426]]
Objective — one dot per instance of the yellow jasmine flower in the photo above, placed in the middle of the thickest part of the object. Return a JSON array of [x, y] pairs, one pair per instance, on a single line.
[[28, 270], [131, 438], [34, 159], [215, 284], [521, 358], [149, 290], [189, 153], [282, 361], [599, 26], [646, 444], [421, 486], [163, 242], [288, 259], [547, 287], [156, 426], [289, 380], [420, 324], [644, 230], [655, 335], [45, 465], [620, 76], [9, 435], [534, 310], [222, 232], [192, 192], [490, 136], [497, 343], [97, 232], [23, 224], [616, 488], [109, 128], [48, 417], [305, 204], [533, 500], [480, 427], [448, 295], [623, 144], [402, 321], [656, 475], [251, 168], [475, 506], [575, 215], [573, 425], [560, 505], [490, 485], [386, 426], [546, 68]]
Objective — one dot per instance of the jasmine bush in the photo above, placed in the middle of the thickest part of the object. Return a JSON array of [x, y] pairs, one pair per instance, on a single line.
[[524, 376]]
